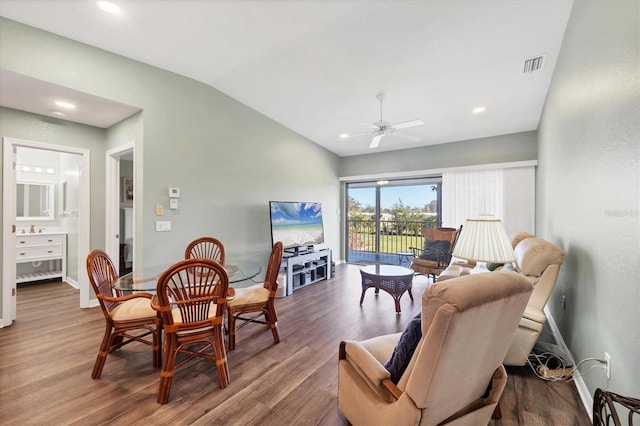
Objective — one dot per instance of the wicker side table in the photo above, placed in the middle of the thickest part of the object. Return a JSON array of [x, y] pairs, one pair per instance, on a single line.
[[395, 280]]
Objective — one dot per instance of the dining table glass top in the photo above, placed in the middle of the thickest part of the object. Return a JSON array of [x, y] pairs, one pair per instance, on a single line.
[[240, 272]]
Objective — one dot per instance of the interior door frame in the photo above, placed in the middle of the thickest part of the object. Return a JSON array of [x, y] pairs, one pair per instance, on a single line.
[[112, 201], [9, 221]]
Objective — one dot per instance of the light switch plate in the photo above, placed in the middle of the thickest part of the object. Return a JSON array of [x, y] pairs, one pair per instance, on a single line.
[[173, 203], [159, 210], [163, 225]]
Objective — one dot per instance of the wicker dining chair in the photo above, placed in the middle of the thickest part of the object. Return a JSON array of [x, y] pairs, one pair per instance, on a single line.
[[124, 314], [257, 300], [205, 248], [191, 298]]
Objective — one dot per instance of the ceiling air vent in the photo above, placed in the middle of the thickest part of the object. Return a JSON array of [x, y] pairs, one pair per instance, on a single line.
[[533, 64]]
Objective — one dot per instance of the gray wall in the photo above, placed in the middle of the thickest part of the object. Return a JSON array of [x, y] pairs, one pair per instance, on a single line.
[[588, 183], [496, 149], [227, 159]]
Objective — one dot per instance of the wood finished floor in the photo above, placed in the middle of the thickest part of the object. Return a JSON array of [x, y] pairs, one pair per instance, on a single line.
[[47, 355]]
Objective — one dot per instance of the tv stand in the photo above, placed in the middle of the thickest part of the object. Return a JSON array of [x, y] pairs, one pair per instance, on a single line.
[[297, 251], [307, 268]]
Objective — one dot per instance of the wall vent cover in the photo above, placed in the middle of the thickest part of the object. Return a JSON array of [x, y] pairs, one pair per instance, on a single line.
[[531, 65]]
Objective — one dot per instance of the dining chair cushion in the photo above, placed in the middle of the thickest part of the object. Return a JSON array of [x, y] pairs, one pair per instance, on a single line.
[[137, 308], [249, 295], [177, 316]]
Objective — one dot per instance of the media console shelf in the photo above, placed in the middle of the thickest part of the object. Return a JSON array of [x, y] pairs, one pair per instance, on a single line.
[[307, 268]]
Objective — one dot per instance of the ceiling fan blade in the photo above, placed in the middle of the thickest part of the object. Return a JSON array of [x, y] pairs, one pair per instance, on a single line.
[[406, 124], [407, 136], [376, 141]]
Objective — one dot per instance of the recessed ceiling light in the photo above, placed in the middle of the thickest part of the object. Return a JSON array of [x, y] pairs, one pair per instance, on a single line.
[[478, 110], [344, 135], [59, 113], [107, 6], [382, 182], [38, 169], [64, 104], [26, 168], [50, 170]]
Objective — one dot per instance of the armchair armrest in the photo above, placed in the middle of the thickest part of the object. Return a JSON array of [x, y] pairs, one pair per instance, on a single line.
[[123, 298], [417, 251], [367, 364]]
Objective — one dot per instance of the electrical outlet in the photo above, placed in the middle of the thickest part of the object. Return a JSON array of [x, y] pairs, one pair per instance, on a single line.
[[607, 365]]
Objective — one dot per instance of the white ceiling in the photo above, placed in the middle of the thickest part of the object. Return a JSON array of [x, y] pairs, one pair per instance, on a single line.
[[316, 66]]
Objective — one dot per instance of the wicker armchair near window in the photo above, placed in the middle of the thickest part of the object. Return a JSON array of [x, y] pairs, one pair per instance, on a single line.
[[435, 255]]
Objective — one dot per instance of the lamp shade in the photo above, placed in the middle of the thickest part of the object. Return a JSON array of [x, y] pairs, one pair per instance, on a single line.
[[484, 240]]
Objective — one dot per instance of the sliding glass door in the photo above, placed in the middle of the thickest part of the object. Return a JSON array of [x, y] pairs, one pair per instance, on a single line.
[[387, 217]]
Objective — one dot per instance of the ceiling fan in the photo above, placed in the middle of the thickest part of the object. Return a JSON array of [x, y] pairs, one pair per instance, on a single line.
[[381, 128]]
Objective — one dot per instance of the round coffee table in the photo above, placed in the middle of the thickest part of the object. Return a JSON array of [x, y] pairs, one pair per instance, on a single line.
[[395, 280]]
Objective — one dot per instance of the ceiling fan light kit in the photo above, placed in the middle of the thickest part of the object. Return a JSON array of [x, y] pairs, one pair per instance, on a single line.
[[381, 128]]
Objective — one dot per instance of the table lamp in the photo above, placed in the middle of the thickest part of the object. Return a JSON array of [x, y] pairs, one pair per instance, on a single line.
[[484, 240]]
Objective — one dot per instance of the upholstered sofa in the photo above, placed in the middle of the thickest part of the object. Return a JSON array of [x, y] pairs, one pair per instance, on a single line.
[[539, 261]]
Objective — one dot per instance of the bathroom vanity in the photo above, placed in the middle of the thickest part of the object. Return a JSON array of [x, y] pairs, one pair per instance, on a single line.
[[41, 256]]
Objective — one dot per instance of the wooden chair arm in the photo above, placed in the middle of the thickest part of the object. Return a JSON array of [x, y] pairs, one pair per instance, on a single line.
[[123, 298], [392, 388]]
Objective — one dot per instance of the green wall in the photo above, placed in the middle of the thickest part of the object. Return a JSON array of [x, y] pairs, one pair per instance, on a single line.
[[589, 185], [496, 149], [227, 159]]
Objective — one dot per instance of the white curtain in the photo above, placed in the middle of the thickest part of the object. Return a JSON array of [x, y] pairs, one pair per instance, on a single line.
[[507, 193], [468, 194]]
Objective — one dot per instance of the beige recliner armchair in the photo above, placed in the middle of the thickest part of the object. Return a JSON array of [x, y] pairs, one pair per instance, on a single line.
[[539, 261], [455, 375]]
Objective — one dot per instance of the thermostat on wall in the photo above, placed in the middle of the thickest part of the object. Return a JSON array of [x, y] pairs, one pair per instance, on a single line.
[[174, 192]]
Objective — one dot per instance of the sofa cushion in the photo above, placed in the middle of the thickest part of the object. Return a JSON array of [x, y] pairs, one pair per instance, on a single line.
[[435, 249], [403, 351]]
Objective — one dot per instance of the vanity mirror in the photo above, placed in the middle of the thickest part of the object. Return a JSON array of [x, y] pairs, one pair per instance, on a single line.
[[34, 201]]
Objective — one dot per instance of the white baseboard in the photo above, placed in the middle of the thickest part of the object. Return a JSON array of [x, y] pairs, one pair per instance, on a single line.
[[4, 323], [581, 386], [73, 283]]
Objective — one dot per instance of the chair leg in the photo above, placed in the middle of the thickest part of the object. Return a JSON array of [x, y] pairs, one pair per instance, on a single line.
[[271, 319], [102, 352], [168, 366], [231, 329], [221, 357], [156, 346]]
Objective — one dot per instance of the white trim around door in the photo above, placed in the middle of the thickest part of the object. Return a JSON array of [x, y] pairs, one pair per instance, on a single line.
[[9, 222]]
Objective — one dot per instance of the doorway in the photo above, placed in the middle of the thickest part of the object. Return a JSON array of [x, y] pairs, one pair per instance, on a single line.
[[120, 190], [71, 212]]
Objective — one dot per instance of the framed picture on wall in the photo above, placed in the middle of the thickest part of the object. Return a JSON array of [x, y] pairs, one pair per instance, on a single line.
[[127, 189]]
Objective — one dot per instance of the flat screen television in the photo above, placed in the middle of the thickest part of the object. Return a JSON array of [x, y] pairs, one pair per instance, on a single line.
[[297, 225]]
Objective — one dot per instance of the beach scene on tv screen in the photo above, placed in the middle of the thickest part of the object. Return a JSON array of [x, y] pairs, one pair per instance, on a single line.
[[297, 224]]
